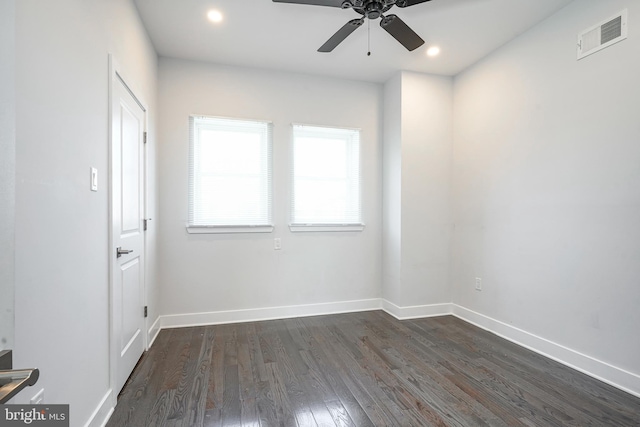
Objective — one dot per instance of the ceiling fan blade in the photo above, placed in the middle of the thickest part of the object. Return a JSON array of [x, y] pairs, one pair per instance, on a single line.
[[330, 3], [342, 34], [401, 32], [407, 3]]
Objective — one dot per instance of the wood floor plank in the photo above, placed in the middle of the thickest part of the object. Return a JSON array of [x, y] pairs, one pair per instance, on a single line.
[[182, 341], [321, 414], [197, 398], [157, 416], [255, 353], [326, 374], [188, 360], [284, 412], [349, 374], [363, 384], [291, 350], [422, 375], [359, 369], [382, 367], [294, 386], [246, 378], [340, 415], [265, 405], [231, 414], [265, 337], [145, 381], [249, 416], [216, 376], [285, 375], [430, 386]]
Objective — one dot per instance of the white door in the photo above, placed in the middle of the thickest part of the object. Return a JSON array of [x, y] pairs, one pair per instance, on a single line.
[[127, 202]]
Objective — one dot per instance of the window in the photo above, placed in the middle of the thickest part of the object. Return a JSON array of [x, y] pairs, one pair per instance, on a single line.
[[326, 179], [229, 176]]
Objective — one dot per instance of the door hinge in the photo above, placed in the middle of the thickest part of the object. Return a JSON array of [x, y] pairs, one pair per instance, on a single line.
[[146, 312], [144, 224], [144, 137]]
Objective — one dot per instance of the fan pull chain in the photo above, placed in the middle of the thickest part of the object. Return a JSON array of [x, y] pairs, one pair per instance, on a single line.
[[368, 37]]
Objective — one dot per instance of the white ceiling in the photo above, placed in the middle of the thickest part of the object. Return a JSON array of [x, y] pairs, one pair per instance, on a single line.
[[280, 36]]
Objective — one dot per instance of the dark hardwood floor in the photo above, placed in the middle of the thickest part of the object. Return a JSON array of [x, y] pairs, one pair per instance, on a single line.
[[359, 369]]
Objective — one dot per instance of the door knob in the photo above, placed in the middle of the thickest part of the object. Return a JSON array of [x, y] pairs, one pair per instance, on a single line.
[[120, 252]]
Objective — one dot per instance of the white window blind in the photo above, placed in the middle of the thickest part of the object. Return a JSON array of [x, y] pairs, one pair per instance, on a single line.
[[230, 175], [326, 178]]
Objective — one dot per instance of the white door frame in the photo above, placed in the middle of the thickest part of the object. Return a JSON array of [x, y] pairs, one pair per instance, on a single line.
[[115, 72]]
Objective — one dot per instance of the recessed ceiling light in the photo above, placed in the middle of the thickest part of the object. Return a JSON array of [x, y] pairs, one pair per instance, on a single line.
[[214, 16], [433, 51]]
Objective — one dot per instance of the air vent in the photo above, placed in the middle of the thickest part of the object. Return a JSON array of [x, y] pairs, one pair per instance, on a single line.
[[603, 35]]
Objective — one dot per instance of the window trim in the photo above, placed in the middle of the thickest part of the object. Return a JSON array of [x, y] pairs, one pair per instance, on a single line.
[[319, 226], [297, 228], [229, 228]]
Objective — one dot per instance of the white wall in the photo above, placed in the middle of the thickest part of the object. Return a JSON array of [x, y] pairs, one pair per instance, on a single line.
[[417, 181], [7, 170], [392, 191], [547, 187], [62, 275], [212, 273], [427, 137]]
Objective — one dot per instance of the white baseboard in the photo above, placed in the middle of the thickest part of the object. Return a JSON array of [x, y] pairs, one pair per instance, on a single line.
[[153, 332], [269, 313], [416, 311], [102, 413], [612, 375]]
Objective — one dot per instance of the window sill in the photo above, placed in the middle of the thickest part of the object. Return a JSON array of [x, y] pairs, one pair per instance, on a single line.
[[228, 229], [325, 227]]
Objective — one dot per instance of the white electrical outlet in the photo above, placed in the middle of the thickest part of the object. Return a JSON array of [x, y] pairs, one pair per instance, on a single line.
[[478, 283], [277, 244], [94, 179], [38, 398]]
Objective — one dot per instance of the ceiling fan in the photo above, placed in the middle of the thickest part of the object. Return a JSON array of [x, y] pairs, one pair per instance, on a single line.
[[372, 9]]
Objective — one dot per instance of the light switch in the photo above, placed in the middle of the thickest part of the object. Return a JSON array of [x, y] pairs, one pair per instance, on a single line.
[[94, 179]]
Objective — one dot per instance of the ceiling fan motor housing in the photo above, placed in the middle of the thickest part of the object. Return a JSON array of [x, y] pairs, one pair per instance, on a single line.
[[373, 9]]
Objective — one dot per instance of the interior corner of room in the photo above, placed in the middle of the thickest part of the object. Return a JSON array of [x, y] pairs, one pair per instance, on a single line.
[[506, 194]]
